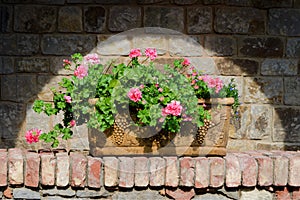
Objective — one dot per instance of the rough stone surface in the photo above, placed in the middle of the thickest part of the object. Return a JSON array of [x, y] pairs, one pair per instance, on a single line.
[[157, 171], [284, 22], [233, 171], [111, 166], [70, 19], [32, 169], [256, 195], [94, 172], [286, 126], [240, 20], [261, 47], [6, 19], [6, 65], [279, 67], [205, 65], [62, 170], [187, 173], [19, 44], [78, 164], [172, 172], [138, 195], [281, 164], [238, 2], [199, 20], [35, 19], [94, 19], [263, 90], [249, 170], [67, 44], [158, 41], [217, 171], [292, 91], [272, 3], [3, 169], [294, 171], [220, 45], [293, 47], [265, 171], [61, 192], [202, 172], [165, 17], [92, 193], [181, 194], [15, 166], [209, 196], [48, 163], [126, 172], [233, 66], [181, 45], [32, 65], [115, 45], [141, 179], [24, 193], [122, 18]]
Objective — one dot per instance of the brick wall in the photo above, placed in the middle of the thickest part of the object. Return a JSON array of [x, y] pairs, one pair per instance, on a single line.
[[257, 42], [62, 175]]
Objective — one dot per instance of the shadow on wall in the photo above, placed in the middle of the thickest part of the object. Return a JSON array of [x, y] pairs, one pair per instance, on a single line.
[[269, 88]]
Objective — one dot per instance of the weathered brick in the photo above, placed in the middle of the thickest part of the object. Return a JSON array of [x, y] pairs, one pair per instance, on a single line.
[[199, 20], [296, 193], [32, 169], [141, 176], [35, 19], [15, 166], [202, 175], [220, 45], [294, 171], [3, 169], [261, 47], [6, 13], [78, 164], [263, 90], [62, 170], [111, 165], [164, 17], [272, 3], [279, 67], [285, 128], [265, 170], [249, 170], [293, 47], [70, 19], [157, 171], [172, 172], [233, 66], [94, 172], [282, 194], [32, 64], [239, 20], [187, 173], [94, 19], [292, 91], [178, 193], [122, 18], [19, 44], [284, 22], [67, 44], [233, 171], [281, 172], [217, 171], [48, 164], [126, 172]]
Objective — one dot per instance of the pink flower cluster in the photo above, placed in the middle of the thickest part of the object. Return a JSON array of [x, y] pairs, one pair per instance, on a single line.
[[66, 62], [134, 94], [72, 123], [186, 62], [33, 135], [92, 58], [81, 71], [173, 108], [151, 53], [213, 83], [68, 99], [134, 53]]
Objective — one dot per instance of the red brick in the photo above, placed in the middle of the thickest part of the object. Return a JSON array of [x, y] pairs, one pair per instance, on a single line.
[[78, 169], [48, 163], [181, 194], [8, 193], [15, 166], [63, 169], [296, 193], [94, 172], [32, 169], [172, 171], [233, 171], [283, 194], [249, 170], [217, 171], [187, 173], [157, 171], [294, 171], [201, 172], [126, 172], [111, 165], [265, 170], [141, 178], [281, 170], [3, 168]]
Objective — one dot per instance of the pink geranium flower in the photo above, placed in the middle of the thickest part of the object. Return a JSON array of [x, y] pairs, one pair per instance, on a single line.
[[72, 123], [173, 108], [186, 62], [160, 89], [66, 62], [68, 99], [134, 53], [81, 72], [216, 83], [92, 58], [134, 94], [33, 135], [151, 53]]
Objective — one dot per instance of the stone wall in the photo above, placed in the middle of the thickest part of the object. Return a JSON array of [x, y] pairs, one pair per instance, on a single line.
[[255, 41], [253, 175]]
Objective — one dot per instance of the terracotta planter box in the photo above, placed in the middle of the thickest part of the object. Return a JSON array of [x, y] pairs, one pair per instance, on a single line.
[[150, 141]]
